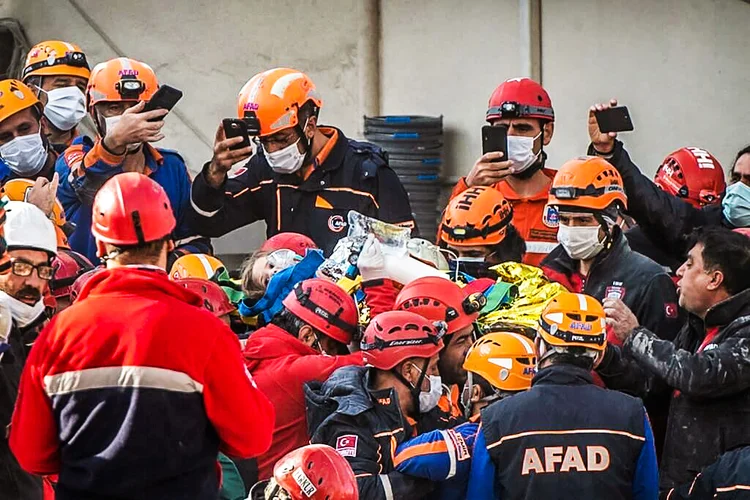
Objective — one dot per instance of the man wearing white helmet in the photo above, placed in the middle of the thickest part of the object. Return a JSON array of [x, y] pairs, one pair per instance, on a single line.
[[32, 244]]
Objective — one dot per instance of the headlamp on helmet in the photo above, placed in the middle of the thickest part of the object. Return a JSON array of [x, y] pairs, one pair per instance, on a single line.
[[130, 87]]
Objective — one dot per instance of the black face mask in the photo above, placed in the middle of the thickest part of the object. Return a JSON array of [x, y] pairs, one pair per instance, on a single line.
[[475, 269]]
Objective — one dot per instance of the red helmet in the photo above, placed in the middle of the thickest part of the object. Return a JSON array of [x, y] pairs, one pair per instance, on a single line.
[[694, 175], [394, 336], [214, 298], [69, 266], [326, 307], [316, 472], [131, 209], [298, 243], [520, 98], [77, 286], [439, 299]]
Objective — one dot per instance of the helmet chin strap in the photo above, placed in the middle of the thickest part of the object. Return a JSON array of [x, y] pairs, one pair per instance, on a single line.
[[414, 389], [307, 141]]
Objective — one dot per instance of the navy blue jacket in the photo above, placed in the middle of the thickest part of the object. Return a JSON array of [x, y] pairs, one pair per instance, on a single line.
[[564, 438], [726, 479]]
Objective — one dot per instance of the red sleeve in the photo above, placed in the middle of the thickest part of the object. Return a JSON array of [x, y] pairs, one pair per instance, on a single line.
[[320, 367], [380, 295], [241, 414], [33, 436]]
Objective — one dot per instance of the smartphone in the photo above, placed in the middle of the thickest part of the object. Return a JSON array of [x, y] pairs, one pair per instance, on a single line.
[[236, 127], [614, 120], [495, 139], [164, 98]]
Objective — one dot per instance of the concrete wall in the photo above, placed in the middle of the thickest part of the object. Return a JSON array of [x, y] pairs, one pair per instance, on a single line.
[[680, 65]]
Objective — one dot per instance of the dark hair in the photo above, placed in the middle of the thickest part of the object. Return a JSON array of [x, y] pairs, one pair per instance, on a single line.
[[148, 253], [306, 111], [726, 251], [288, 322], [742, 152], [573, 355], [511, 249], [487, 388]]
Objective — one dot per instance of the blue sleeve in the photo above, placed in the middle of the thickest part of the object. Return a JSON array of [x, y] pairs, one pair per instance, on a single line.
[[437, 455], [482, 476], [646, 478], [182, 205]]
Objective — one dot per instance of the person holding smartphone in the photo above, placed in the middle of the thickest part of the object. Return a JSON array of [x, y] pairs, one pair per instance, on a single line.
[[303, 178], [525, 108], [117, 94]]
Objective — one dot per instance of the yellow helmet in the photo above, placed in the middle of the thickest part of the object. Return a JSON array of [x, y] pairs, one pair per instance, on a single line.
[[195, 265], [504, 359], [574, 320], [15, 96], [54, 57]]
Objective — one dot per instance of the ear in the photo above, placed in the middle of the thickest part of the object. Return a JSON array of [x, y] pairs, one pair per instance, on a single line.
[[306, 335], [312, 124], [717, 280], [549, 131], [101, 250], [538, 347], [476, 393], [170, 245]]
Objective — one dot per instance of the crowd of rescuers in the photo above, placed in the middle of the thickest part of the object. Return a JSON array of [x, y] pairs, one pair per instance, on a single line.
[[131, 369]]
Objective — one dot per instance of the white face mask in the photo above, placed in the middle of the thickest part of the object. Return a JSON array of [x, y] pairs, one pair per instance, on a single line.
[[22, 313], [65, 107], [25, 155], [110, 122], [521, 152], [429, 400], [287, 160], [580, 242]]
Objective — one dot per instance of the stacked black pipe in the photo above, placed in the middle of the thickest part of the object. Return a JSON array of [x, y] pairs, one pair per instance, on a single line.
[[414, 145]]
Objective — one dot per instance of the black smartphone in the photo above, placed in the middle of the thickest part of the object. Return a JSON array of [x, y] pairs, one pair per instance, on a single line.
[[614, 120], [164, 98], [495, 139], [236, 127]]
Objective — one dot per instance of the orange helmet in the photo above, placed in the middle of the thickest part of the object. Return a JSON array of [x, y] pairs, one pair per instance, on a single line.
[[574, 320], [589, 183], [195, 265], [504, 359], [478, 216], [15, 96], [274, 97], [54, 57], [121, 79]]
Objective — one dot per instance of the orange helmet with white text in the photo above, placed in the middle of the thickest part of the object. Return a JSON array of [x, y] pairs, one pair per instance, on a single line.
[[274, 97], [121, 79], [55, 57], [574, 320], [478, 216]]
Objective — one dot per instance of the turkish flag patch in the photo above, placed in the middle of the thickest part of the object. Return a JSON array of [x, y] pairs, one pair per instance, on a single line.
[[347, 445], [670, 310]]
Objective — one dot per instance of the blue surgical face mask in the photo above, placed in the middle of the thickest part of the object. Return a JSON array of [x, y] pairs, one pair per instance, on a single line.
[[736, 204]]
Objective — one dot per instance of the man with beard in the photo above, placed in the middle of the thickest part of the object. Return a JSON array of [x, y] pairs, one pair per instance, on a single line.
[[32, 244]]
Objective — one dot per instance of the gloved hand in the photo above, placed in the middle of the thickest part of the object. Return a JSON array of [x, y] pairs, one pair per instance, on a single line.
[[371, 261]]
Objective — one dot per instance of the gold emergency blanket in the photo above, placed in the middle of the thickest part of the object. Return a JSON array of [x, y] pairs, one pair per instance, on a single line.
[[534, 292]]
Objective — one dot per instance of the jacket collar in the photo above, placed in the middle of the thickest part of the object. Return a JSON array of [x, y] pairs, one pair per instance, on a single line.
[[334, 159], [728, 310], [562, 375]]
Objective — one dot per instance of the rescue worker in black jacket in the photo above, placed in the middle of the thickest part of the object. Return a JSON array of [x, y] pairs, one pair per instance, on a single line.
[[303, 178], [664, 218], [366, 412], [706, 369], [726, 479], [565, 437]]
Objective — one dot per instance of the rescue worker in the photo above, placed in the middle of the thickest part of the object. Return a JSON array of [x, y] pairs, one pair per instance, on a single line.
[[25, 151], [477, 227], [727, 478], [68, 267], [705, 369], [565, 437], [31, 245], [306, 341], [166, 378], [437, 299], [366, 412], [195, 265], [313, 472], [214, 298], [59, 70], [525, 108], [304, 177], [692, 174], [116, 96], [666, 219]]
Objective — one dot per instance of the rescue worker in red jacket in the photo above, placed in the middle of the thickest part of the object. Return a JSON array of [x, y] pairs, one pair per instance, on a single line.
[[366, 412], [132, 391], [303, 177], [306, 341], [522, 105]]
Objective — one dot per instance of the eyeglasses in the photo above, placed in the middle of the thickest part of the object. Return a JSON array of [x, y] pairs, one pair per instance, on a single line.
[[24, 269]]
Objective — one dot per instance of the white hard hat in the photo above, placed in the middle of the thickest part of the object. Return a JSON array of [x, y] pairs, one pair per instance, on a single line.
[[27, 227]]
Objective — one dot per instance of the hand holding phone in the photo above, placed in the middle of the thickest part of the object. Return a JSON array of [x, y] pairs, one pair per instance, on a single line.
[[615, 119], [235, 127], [164, 98], [495, 139]]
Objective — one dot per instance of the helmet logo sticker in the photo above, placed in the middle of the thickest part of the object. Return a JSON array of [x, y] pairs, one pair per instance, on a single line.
[[347, 445], [336, 223], [616, 291], [703, 158], [304, 482], [551, 217]]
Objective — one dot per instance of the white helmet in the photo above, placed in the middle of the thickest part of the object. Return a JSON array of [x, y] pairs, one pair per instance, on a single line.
[[27, 227]]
